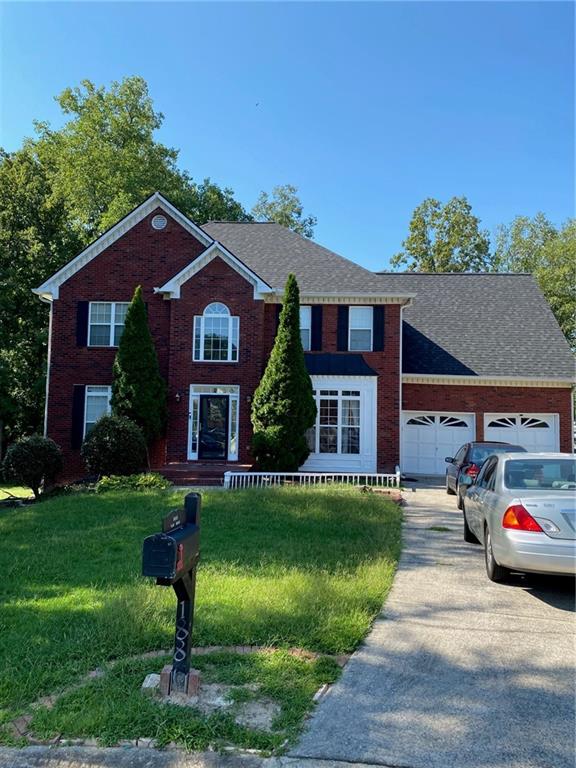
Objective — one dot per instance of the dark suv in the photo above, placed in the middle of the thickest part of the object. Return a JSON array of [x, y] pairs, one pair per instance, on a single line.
[[463, 468]]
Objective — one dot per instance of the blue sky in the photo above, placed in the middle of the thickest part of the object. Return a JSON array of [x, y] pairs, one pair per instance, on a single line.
[[367, 108]]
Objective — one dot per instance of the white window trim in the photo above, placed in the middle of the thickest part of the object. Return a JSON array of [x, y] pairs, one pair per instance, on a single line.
[[232, 391], [365, 461], [113, 305], [98, 386], [370, 328], [199, 320], [306, 327]]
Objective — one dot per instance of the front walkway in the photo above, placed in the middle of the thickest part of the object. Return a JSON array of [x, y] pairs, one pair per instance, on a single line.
[[457, 671]]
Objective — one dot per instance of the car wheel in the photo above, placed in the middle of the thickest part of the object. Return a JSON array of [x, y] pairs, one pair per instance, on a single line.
[[468, 535], [449, 490], [495, 572]]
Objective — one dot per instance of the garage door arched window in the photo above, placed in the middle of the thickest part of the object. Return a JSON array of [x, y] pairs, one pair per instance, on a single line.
[[216, 334]]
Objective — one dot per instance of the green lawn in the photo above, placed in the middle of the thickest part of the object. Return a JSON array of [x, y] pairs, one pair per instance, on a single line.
[[282, 567]]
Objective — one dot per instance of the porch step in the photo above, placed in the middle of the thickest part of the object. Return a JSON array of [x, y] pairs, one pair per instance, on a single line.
[[199, 473]]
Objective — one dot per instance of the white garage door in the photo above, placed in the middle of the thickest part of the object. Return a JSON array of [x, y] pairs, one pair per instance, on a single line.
[[533, 431], [427, 438]]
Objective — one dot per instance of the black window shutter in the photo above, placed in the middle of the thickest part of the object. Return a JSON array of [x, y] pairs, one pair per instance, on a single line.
[[342, 329], [78, 399], [82, 324], [316, 331], [378, 328]]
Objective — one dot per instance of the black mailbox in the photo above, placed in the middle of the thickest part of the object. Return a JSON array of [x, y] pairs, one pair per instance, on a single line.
[[169, 555], [171, 558]]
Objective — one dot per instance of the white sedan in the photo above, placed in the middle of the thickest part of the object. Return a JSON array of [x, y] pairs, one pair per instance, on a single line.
[[522, 508]]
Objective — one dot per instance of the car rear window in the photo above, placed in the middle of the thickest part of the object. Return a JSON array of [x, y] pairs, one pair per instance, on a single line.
[[479, 453], [546, 474]]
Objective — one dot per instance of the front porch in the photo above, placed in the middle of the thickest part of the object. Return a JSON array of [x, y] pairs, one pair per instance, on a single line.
[[199, 472]]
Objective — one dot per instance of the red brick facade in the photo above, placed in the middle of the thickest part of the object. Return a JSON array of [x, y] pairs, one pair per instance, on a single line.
[[147, 257], [481, 400]]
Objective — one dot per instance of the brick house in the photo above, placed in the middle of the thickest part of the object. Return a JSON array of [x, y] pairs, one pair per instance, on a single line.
[[405, 367]]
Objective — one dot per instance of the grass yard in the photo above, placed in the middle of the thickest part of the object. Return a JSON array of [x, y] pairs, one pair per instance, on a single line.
[[308, 568]]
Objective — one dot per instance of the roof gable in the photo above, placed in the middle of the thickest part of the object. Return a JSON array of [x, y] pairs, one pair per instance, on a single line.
[[171, 289], [50, 288]]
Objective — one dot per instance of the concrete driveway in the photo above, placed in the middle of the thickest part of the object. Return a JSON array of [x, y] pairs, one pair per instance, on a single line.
[[457, 672]]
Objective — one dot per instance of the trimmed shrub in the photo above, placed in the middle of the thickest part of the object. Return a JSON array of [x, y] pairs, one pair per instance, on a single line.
[[283, 407], [146, 481], [115, 446], [33, 461]]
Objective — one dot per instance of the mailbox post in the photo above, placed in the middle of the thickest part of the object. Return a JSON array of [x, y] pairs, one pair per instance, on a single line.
[[172, 557]]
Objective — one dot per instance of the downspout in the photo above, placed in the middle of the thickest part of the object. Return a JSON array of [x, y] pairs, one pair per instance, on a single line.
[[400, 409]]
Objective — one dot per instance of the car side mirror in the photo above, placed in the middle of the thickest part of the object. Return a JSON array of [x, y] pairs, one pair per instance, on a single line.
[[449, 460]]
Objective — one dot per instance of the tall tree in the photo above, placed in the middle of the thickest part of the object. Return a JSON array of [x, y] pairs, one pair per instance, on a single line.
[[283, 407], [535, 245], [284, 207], [138, 389], [444, 238], [58, 192]]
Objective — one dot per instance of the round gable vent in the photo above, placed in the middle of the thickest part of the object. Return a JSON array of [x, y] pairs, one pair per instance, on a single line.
[[159, 222]]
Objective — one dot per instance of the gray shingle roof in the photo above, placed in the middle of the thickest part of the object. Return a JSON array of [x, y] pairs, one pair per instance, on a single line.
[[458, 324], [479, 324], [273, 251]]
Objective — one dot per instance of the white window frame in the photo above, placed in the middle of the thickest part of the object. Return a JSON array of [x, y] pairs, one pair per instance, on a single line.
[[369, 327], [306, 325], [365, 460], [113, 305], [232, 391], [233, 330], [99, 387]]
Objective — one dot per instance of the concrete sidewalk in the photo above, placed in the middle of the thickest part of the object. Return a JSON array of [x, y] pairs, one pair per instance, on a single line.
[[457, 671]]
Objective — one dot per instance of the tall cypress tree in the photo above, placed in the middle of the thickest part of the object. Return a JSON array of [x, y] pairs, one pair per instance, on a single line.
[[283, 407], [138, 389]]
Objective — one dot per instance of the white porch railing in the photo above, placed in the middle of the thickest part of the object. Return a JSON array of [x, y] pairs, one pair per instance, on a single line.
[[268, 479]]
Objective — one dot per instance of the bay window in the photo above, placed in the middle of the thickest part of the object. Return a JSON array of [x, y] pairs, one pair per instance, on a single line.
[[337, 428]]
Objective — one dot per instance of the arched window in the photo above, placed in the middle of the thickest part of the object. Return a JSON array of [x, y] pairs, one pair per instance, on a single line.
[[216, 334]]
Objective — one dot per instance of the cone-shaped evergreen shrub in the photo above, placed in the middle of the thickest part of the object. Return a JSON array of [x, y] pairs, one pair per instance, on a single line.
[[283, 407], [138, 390]]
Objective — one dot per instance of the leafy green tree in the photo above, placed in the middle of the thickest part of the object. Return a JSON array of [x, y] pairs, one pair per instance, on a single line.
[[138, 389], [58, 192], [535, 245], [444, 238], [283, 407], [284, 207], [35, 240]]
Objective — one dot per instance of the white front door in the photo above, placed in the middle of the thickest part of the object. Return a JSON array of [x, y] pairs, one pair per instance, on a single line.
[[429, 437], [344, 436], [534, 431]]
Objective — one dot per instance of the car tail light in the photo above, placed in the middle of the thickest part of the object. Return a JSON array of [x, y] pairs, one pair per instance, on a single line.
[[472, 470], [518, 518]]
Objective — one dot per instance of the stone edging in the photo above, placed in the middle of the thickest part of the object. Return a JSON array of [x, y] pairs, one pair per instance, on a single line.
[[19, 726]]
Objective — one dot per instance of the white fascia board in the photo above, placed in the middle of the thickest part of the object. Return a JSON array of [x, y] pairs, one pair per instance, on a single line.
[[335, 297], [486, 381], [171, 289], [49, 289]]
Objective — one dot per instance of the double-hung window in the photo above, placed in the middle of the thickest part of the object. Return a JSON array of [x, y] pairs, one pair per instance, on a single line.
[[306, 327], [360, 329], [97, 404], [337, 428], [216, 334], [106, 323]]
